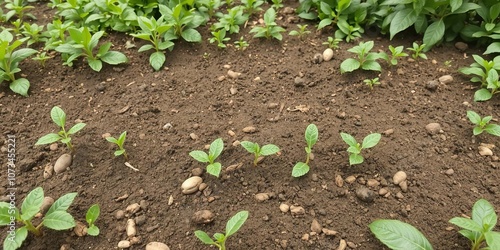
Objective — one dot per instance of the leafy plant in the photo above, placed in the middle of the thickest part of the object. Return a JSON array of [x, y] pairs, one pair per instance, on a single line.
[[155, 31], [398, 235], [492, 87], [17, 8], [207, 7], [483, 124], [485, 72], [252, 6], [396, 53], [232, 226], [277, 4], [219, 36], [241, 44], [83, 43], [311, 136], [117, 15], [214, 151], [480, 228], [366, 60], [91, 216], [418, 51], [347, 31], [59, 118], [32, 31], [42, 57], [270, 29], [371, 82], [56, 217], [484, 27], [183, 21], [255, 149], [232, 20], [301, 32], [332, 43], [10, 57], [355, 148], [56, 33], [119, 142]]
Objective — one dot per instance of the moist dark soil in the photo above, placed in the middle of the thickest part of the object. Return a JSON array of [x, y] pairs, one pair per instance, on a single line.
[[192, 101]]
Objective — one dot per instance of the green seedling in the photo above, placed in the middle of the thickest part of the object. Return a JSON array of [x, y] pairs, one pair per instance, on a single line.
[[241, 44], [483, 124], [347, 31], [17, 8], [485, 72], [252, 6], [366, 60], [214, 151], [447, 63], [311, 135], [10, 57], [56, 217], [418, 51], [17, 24], [82, 44], [255, 149], [55, 34], [91, 216], [398, 235], [270, 28], [183, 21], [480, 227], [301, 32], [219, 36], [42, 57], [332, 43], [355, 148], [119, 142], [277, 4], [232, 226], [396, 53], [371, 82], [33, 32], [59, 118], [492, 87], [232, 20], [155, 31], [207, 8]]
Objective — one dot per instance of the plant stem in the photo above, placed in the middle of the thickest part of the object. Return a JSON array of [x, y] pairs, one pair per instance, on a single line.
[[125, 155], [307, 158], [31, 228]]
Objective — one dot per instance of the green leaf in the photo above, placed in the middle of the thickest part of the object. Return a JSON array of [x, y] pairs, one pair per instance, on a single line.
[[219, 237], [349, 139], [234, 224], [398, 235], [20, 235], [482, 95], [114, 57], [77, 127], [492, 239], [481, 209], [269, 16], [48, 138], [59, 220], [22, 54], [92, 214], [204, 237], [122, 138], [58, 116], [269, 149], [473, 117], [493, 129], [472, 236], [112, 139], [62, 204], [20, 86], [349, 65], [191, 35], [466, 223], [93, 230], [119, 152], [325, 22], [95, 64], [32, 203], [249, 146], [300, 169], [214, 169], [402, 20], [477, 130], [355, 159], [5, 216], [199, 156], [434, 34], [371, 65], [311, 135], [216, 148], [371, 140], [493, 48], [156, 60]]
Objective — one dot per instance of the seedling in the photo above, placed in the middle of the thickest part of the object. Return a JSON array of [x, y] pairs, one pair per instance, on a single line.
[[42, 57], [399, 235], [255, 149], [355, 148], [56, 217], [18, 8], [59, 118], [492, 87], [332, 43], [219, 36], [418, 51], [484, 71], [480, 228], [270, 29], [371, 82], [232, 226], [232, 20], [366, 60], [183, 22], [301, 32], [119, 142], [277, 4], [311, 135], [241, 44], [91, 216], [483, 124], [214, 151], [252, 6], [396, 53], [33, 32]]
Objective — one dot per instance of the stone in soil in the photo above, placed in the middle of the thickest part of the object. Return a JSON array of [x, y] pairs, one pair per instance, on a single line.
[[157, 246], [191, 185], [202, 217], [365, 194]]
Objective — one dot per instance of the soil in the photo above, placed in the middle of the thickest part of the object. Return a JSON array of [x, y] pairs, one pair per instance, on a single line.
[[191, 96]]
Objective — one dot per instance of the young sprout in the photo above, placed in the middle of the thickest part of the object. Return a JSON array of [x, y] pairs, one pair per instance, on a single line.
[[232, 226], [417, 51], [396, 52], [59, 118], [355, 148], [483, 124], [241, 44], [277, 4], [91, 216], [311, 135], [214, 151], [119, 142], [332, 43], [219, 36], [42, 57], [371, 82], [255, 149], [301, 32]]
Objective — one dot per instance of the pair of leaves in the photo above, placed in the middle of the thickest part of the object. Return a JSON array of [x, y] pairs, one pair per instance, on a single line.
[[311, 136], [91, 216], [232, 226], [483, 124], [215, 150], [398, 235], [59, 118], [119, 142], [255, 149], [355, 148], [270, 29], [366, 60]]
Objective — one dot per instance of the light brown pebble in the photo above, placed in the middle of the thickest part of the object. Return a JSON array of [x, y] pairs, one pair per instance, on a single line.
[[53, 147], [365, 194], [329, 232], [46, 203], [191, 185], [257, 79], [231, 133], [133, 208], [484, 151], [226, 66], [399, 195], [342, 245], [157, 246], [131, 229], [316, 227], [339, 181], [124, 244], [372, 183], [351, 245], [249, 129], [193, 136], [399, 177], [350, 179], [48, 171], [297, 210], [461, 46], [62, 163], [197, 171], [105, 135], [202, 186], [383, 191], [221, 78], [202, 217], [305, 237], [262, 197], [135, 240], [446, 79], [65, 247], [80, 229], [284, 208], [433, 128], [327, 55], [389, 132], [119, 214], [449, 171], [233, 74], [272, 105], [404, 186]]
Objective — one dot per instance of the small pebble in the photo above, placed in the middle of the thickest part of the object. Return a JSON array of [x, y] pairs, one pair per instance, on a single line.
[[124, 244], [305, 237], [365, 194], [383, 191], [450, 171], [399, 177], [262, 197], [432, 85], [316, 227], [133, 208], [350, 179], [327, 55], [342, 245], [485, 151], [372, 183], [53, 147], [284, 208], [193, 136], [299, 82], [446, 79], [433, 128], [249, 129], [339, 181], [297, 210], [399, 195], [404, 186], [120, 214], [197, 171], [233, 74], [329, 232], [157, 246], [461, 46], [202, 217], [318, 58], [191, 185]]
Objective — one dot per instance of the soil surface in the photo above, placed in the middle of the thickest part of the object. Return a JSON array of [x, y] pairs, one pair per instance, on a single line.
[[193, 101]]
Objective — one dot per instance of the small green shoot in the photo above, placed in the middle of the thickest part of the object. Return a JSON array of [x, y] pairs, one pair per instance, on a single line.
[[119, 142], [277, 4], [417, 51], [332, 43], [219, 36], [355, 148], [59, 118], [252, 6], [255, 149], [311, 135], [270, 29], [241, 44], [396, 53], [301, 32], [366, 60], [480, 228], [398, 235], [483, 124], [232, 226], [232, 20], [42, 57], [371, 82], [91, 216], [56, 217], [215, 150]]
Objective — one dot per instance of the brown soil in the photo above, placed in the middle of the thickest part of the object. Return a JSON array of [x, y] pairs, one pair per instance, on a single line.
[[189, 95]]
